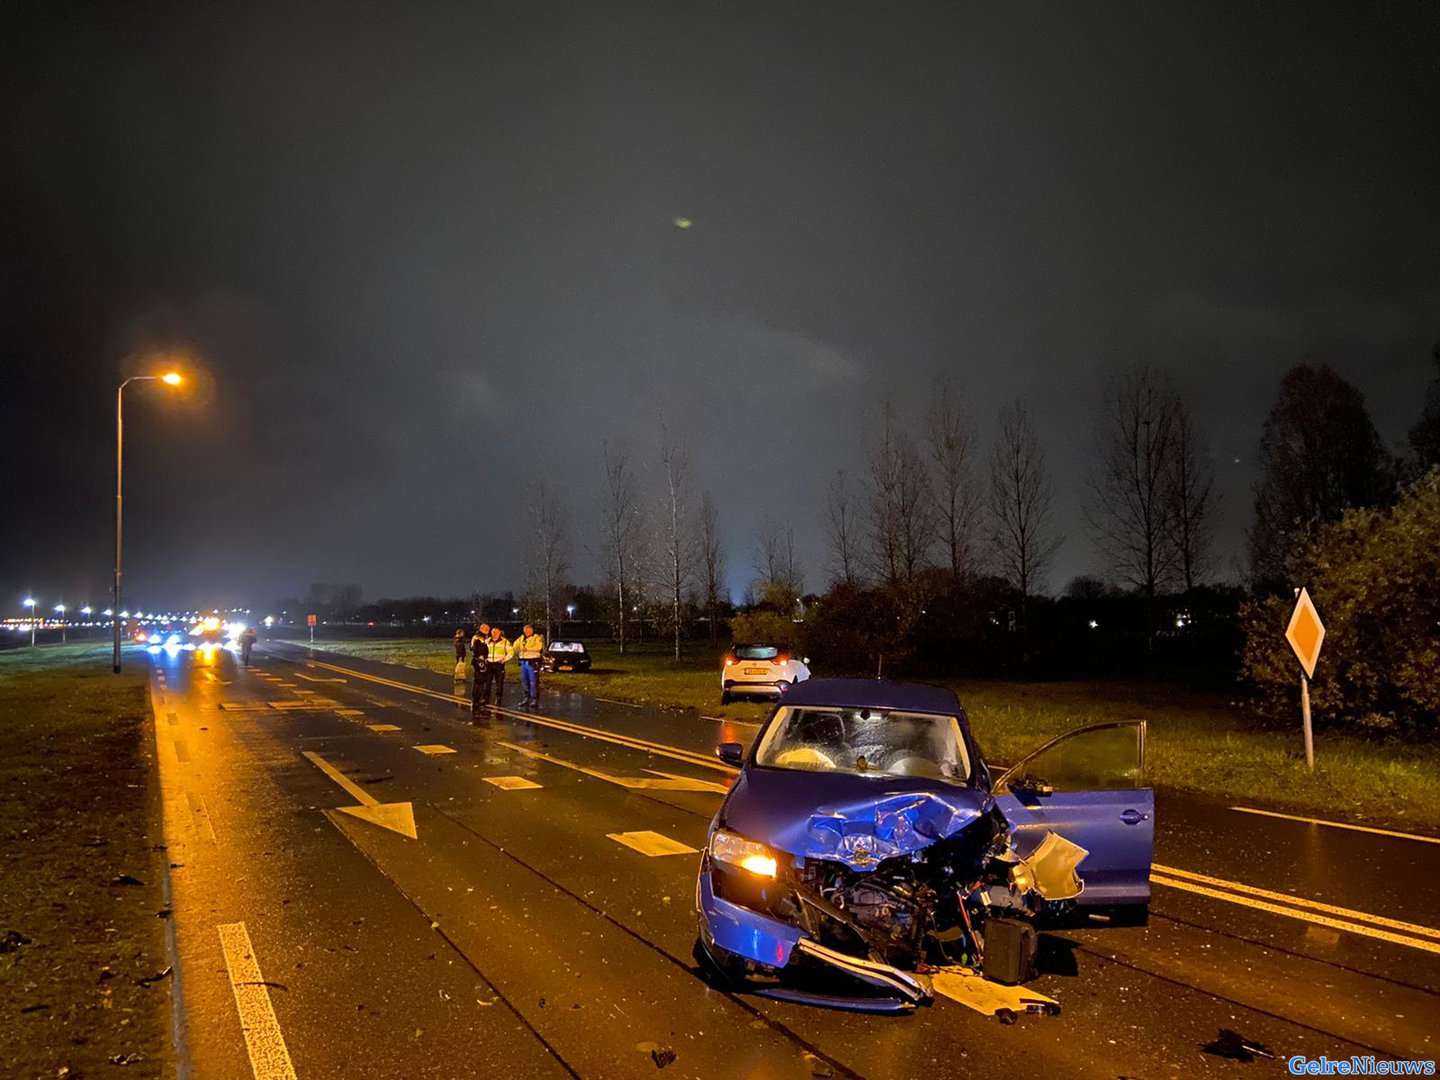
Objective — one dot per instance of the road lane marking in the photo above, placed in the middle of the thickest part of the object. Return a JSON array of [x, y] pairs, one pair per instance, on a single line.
[[197, 806], [244, 706], [436, 748], [667, 781], [182, 752], [173, 719], [1338, 824], [1296, 913], [612, 701], [317, 678], [1300, 901], [652, 844], [269, 1057], [397, 817], [511, 783], [350, 714], [383, 727], [688, 756]]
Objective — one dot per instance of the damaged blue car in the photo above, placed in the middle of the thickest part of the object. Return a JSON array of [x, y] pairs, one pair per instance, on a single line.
[[866, 843]]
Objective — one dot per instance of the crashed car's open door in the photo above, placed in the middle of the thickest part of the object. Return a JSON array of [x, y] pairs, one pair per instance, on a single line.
[[1088, 786]]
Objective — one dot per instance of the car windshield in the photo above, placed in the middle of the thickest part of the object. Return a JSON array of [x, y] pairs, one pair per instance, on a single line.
[[756, 652], [566, 646], [866, 742]]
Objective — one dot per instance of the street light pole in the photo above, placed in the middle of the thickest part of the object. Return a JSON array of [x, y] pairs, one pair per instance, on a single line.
[[30, 603], [170, 379]]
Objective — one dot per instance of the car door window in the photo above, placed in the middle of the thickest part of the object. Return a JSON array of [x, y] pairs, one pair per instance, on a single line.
[[1105, 757]]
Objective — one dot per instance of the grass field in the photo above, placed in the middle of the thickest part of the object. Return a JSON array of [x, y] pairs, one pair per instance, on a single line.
[[76, 789], [1199, 742]]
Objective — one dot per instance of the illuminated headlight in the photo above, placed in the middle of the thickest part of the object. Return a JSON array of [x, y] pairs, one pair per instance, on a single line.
[[728, 847]]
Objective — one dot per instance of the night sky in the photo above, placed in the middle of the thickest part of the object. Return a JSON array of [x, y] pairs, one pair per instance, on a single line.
[[427, 255]]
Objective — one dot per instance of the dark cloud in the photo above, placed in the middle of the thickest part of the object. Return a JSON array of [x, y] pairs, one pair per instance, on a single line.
[[427, 252]]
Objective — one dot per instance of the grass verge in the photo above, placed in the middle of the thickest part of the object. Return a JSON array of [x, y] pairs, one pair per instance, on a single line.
[[1199, 742], [77, 943]]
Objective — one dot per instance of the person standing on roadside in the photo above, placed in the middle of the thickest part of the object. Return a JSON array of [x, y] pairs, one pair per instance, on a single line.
[[529, 647], [480, 685], [459, 646], [498, 655], [247, 642]]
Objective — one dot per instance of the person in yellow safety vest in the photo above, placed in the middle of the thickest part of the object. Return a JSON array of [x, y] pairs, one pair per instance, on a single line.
[[529, 647], [497, 656]]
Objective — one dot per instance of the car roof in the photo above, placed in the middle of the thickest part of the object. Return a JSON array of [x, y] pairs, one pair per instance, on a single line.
[[874, 694]]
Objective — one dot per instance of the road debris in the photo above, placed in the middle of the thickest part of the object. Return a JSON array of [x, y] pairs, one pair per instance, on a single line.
[[1236, 1047]]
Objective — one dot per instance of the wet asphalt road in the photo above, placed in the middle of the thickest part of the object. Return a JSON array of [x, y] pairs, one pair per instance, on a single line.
[[514, 935]]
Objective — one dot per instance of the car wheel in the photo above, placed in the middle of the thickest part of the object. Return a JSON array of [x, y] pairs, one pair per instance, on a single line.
[[724, 697]]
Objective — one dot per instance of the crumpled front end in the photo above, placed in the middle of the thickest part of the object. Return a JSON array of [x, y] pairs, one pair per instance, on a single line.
[[879, 892]]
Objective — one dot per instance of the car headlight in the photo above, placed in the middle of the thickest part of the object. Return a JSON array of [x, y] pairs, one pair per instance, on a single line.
[[732, 848]]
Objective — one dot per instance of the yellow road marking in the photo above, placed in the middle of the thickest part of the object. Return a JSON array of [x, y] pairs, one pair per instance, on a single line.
[[269, 1057], [1296, 913], [351, 713], [316, 678], [1338, 824], [511, 783], [383, 727], [435, 748], [1299, 901], [678, 754], [651, 843]]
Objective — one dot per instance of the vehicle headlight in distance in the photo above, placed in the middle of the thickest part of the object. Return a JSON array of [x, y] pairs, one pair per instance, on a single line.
[[729, 847]]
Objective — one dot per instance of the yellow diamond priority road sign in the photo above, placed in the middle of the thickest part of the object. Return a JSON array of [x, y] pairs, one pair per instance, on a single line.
[[1305, 633]]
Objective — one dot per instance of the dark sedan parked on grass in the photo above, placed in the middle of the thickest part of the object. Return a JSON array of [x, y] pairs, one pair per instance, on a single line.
[[565, 656]]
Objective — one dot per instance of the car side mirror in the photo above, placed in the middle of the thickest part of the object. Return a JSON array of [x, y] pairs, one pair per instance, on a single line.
[[732, 753], [805, 660], [1030, 787]]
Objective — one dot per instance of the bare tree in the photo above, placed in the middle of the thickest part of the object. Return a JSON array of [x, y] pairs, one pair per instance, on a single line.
[[791, 574], [550, 554], [620, 518], [678, 540], [1189, 491], [768, 544], [957, 499], [1131, 511], [842, 530], [712, 562], [901, 512], [1022, 533]]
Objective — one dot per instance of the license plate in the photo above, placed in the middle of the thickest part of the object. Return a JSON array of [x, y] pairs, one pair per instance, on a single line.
[[564, 667], [757, 671]]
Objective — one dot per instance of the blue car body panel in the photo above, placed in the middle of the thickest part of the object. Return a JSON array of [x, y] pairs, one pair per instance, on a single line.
[[1117, 828], [856, 819], [744, 932]]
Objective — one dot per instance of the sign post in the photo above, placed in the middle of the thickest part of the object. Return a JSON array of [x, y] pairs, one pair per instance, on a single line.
[[311, 620], [1305, 634]]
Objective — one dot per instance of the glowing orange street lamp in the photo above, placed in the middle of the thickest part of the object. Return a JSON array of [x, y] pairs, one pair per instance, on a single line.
[[169, 378]]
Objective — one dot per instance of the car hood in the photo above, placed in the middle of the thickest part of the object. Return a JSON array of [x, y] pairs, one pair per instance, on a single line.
[[857, 820]]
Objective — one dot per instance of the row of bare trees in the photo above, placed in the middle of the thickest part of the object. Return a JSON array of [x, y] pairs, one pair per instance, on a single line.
[[928, 500], [929, 507]]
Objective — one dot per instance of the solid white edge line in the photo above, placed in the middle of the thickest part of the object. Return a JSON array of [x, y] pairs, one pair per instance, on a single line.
[[1337, 824], [264, 1043]]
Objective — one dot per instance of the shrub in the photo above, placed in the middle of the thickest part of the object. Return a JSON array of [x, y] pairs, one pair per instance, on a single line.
[[1375, 577]]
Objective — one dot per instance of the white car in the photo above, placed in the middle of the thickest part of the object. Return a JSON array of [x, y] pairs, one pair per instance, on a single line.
[[762, 670]]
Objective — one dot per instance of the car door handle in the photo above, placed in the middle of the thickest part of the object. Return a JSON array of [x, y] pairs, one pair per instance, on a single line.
[[1132, 817]]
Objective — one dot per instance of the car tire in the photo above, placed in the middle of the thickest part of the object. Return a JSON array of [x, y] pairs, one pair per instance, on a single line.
[[724, 697]]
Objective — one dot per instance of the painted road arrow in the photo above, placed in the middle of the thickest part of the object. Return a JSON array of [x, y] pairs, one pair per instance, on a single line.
[[397, 817], [665, 782]]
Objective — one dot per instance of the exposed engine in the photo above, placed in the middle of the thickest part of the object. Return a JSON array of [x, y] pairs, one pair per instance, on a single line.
[[910, 910]]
